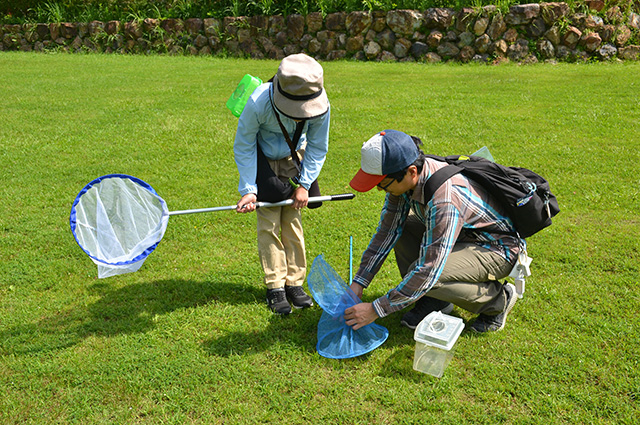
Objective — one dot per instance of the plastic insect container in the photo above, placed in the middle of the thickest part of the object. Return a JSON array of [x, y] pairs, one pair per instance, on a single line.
[[435, 338], [241, 94]]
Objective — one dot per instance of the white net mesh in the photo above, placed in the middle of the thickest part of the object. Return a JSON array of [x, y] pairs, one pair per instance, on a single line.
[[118, 220]]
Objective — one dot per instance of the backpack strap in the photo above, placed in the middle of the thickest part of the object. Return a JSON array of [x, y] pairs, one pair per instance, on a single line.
[[437, 179]]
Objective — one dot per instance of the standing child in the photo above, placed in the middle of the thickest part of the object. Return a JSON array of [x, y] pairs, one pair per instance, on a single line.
[[293, 106]]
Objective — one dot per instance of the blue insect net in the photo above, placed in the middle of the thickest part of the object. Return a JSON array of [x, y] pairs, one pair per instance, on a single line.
[[336, 339], [118, 220]]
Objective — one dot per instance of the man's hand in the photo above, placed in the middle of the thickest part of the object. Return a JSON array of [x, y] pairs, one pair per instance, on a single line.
[[360, 315], [300, 198], [247, 203]]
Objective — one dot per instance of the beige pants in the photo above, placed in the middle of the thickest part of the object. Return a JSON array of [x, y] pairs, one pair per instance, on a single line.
[[470, 275], [280, 237]]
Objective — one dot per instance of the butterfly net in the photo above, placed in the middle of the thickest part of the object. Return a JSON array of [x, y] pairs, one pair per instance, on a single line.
[[336, 339], [118, 220]]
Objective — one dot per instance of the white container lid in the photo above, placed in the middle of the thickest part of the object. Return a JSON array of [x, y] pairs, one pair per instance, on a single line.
[[439, 330]]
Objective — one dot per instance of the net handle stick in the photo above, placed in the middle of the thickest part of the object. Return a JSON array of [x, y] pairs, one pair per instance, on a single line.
[[312, 200]]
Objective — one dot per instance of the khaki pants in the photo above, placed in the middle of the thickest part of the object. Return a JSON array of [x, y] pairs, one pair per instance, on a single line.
[[470, 276], [280, 237]]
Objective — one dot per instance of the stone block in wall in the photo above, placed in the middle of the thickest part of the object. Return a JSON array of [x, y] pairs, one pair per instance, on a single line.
[[336, 55], [211, 26], [434, 38], [372, 50], [281, 39], [522, 14], [607, 32], [194, 26], [132, 30], [259, 25], [591, 41], [629, 53], [358, 23], [536, 28], [43, 31], [304, 41], [327, 46], [54, 31], [355, 44], [111, 28], [510, 35], [295, 26], [571, 37], [335, 21], [466, 39], [466, 54], [497, 27], [244, 35], [552, 12], [594, 23], [634, 21], [623, 34], [96, 27], [553, 35], [401, 48], [200, 41], [448, 50], [276, 24], [499, 48], [150, 24], [481, 25], [404, 22], [465, 19], [596, 5], [314, 22], [387, 56], [518, 50], [314, 46], [438, 18], [68, 30], [379, 22], [482, 43], [291, 49], [171, 26], [432, 57], [419, 49], [546, 49], [386, 39], [451, 36]]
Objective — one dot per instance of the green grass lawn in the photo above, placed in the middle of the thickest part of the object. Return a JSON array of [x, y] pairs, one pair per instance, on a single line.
[[188, 338]]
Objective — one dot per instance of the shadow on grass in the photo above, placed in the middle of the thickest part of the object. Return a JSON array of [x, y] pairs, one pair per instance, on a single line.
[[126, 310], [295, 332]]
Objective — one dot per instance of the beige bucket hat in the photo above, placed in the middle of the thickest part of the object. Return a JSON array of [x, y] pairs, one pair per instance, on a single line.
[[298, 88]]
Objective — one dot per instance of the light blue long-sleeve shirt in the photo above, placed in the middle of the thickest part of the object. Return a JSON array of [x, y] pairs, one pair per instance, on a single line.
[[258, 124]]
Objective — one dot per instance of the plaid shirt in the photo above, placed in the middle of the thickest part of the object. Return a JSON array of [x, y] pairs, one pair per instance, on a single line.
[[458, 204]]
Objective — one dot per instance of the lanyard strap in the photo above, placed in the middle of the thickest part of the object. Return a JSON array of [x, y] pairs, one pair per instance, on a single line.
[[296, 134]]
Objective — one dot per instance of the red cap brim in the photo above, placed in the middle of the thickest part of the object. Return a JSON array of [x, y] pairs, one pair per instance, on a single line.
[[364, 182]]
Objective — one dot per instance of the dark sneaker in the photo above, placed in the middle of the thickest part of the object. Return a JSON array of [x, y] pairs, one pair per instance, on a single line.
[[277, 301], [486, 323], [297, 296], [422, 308]]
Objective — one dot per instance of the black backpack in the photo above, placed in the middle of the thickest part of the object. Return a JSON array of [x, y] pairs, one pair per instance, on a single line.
[[526, 196]]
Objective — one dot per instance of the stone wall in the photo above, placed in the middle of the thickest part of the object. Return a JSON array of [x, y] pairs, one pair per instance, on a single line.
[[527, 33]]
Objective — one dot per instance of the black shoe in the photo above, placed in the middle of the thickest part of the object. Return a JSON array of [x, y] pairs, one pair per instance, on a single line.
[[277, 301], [297, 296], [423, 307], [486, 323]]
